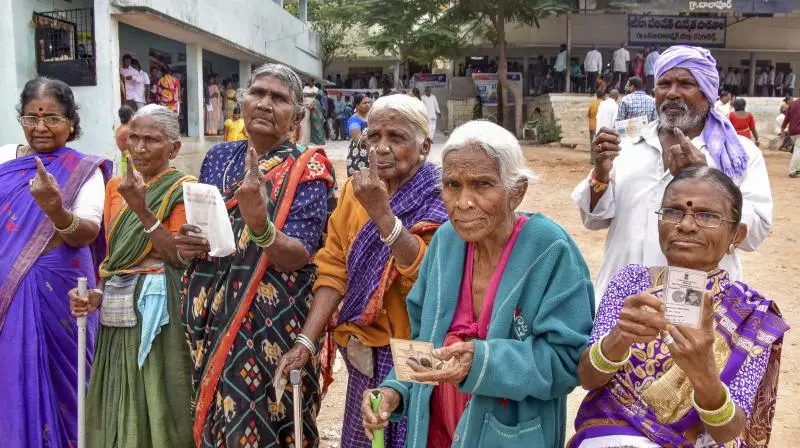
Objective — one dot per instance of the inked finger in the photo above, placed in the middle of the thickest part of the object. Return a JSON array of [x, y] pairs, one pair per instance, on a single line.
[[372, 158]]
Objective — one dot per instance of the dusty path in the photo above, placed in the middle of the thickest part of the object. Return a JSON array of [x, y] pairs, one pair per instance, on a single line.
[[769, 270]]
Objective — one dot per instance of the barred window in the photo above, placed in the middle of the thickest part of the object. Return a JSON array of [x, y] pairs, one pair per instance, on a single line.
[[65, 45]]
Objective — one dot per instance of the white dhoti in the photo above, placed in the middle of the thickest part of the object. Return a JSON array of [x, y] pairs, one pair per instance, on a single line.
[[431, 127]]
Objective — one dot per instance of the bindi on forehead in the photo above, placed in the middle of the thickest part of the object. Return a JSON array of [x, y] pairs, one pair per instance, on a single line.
[[688, 203]]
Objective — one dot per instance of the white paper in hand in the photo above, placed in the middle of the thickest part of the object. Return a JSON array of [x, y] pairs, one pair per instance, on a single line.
[[206, 210]]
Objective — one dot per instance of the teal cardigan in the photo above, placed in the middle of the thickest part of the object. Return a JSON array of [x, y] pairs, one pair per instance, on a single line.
[[522, 372]]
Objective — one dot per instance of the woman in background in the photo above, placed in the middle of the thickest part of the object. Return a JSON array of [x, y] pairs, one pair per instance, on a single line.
[[231, 102], [214, 106], [357, 155], [168, 91], [743, 121], [121, 135]]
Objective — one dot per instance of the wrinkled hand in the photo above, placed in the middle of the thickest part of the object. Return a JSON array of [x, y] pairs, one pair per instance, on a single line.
[[45, 191], [82, 306], [371, 420], [191, 247], [133, 189], [252, 194], [683, 155], [294, 359], [457, 360], [637, 324], [370, 190], [693, 349], [606, 147]]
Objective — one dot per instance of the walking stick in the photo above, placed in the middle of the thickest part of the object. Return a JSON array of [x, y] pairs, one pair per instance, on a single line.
[[375, 398], [82, 285], [297, 398]]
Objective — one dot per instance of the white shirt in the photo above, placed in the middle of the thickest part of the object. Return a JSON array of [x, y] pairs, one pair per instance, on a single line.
[[620, 57], [139, 91], [761, 80], [432, 105], [91, 197], [607, 113], [627, 209], [724, 109], [593, 61], [130, 84], [730, 78], [373, 83]]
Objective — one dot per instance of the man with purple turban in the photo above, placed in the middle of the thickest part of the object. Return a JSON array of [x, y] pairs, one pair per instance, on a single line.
[[686, 193], [624, 190]]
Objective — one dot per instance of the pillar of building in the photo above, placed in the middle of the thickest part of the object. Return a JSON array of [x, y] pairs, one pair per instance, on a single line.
[[526, 74], [245, 69], [195, 107], [751, 83]]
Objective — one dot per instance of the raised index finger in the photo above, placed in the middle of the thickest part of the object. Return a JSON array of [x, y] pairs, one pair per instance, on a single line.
[[685, 141], [40, 167], [251, 158], [129, 167], [372, 157]]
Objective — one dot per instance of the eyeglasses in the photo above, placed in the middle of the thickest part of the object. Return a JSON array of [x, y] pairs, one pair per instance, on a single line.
[[31, 121], [702, 219]]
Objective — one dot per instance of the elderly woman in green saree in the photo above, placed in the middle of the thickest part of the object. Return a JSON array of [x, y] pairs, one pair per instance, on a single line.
[[140, 389]]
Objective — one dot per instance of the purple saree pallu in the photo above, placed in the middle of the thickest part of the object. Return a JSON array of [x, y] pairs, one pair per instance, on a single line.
[[370, 268], [38, 335]]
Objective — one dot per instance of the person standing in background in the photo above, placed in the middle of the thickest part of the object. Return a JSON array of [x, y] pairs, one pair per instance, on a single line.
[[213, 106], [638, 66], [761, 82], [234, 127], [743, 121], [338, 118], [791, 127], [432, 104], [636, 103], [723, 104], [131, 77], [771, 81], [592, 116], [788, 83], [121, 137], [593, 64], [229, 94], [729, 80], [607, 111], [650, 69], [778, 83], [621, 64], [560, 69], [155, 77], [168, 91], [142, 85], [373, 82]]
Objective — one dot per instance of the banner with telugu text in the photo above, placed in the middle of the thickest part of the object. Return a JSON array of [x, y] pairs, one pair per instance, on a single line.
[[486, 87], [706, 32]]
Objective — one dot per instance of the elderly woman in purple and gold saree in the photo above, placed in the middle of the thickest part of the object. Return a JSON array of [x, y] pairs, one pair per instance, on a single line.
[[377, 238], [51, 204], [654, 384]]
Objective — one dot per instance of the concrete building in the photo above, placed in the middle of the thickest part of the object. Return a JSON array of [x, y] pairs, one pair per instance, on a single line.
[[82, 41]]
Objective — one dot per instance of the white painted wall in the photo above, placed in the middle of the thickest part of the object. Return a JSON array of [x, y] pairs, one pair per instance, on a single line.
[[262, 27]]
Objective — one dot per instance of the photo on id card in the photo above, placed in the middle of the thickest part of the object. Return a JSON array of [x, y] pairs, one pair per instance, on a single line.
[[684, 292], [631, 128], [403, 350]]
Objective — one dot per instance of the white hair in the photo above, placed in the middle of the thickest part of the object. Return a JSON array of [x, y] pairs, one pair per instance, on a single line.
[[409, 107], [163, 115], [286, 75], [498, 144]]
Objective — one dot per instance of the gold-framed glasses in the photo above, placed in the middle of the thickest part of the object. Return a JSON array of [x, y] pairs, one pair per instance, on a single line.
[[31, 121], [708, 220]]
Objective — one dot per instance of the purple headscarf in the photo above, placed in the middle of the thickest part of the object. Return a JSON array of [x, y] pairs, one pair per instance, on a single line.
[[720, 136]]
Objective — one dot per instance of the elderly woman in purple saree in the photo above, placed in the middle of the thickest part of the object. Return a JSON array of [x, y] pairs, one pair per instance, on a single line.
[[653, 384], [49, 236]]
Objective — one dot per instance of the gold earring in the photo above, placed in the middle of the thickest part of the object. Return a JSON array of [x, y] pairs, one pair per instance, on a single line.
[[731, 248], [72, 129], [421, 157]]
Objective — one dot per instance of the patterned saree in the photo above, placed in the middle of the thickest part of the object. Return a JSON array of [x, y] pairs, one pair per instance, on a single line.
[[241, 315]]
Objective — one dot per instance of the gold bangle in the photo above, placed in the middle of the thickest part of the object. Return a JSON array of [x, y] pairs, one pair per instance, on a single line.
[[73, 226], [603, 364], [718, 417]]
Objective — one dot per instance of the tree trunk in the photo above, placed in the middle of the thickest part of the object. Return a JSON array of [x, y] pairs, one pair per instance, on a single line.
[[502, 64]]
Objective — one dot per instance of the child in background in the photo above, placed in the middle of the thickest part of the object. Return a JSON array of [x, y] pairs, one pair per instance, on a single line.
[[121, 135], [234, 127]]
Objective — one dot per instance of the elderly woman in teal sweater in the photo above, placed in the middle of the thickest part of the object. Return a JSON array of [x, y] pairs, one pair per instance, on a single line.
[[512, 333]]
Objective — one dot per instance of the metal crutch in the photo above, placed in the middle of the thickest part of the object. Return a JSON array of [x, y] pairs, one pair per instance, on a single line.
[[297, 399], [82, 285]]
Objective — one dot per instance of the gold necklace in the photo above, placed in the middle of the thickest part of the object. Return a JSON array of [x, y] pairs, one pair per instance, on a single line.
[[26, 151]]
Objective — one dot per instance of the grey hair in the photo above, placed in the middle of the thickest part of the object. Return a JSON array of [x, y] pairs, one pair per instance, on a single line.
[[286, 75], [165, 116], [410, 108], [498, 143]]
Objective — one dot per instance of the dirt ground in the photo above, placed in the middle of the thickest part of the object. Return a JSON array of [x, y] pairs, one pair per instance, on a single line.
[[769, 270]]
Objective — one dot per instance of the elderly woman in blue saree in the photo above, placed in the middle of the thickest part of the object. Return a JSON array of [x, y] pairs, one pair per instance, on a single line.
[[654, 384], [377, 238], [51, 205]]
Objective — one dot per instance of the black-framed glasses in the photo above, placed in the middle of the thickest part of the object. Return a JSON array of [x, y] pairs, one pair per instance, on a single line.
[[31, 121], [708, 220]]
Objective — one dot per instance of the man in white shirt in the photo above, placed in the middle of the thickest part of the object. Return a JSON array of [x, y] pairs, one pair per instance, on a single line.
[[650, 69], [433, 111], [142, 85], [730, 80], [761, 82], [593, 64], [607, 111], [778, 83], [373, 83], [620, 63], [788, 83], [771, 81], [132, 78], [560, 69], [627, 185]]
